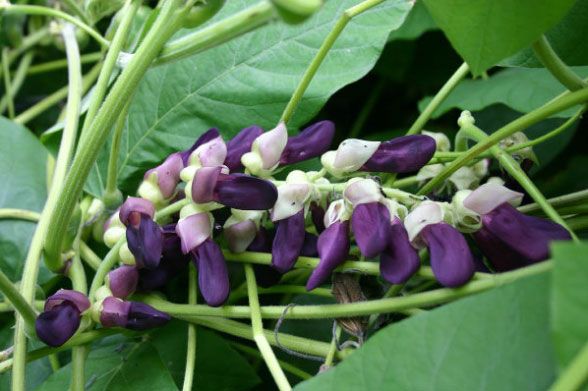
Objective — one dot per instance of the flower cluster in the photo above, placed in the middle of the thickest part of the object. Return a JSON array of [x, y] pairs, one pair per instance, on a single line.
[[230, 196]]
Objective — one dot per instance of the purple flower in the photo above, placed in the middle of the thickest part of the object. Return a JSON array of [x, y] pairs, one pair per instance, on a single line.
[[240, 145], [167, 174], [370, 223], [399, 261], [61, 317], [144, 236], [317, 214], [309, 247], [508, 238], [311, 142], [237, 191], [333, 249], [122, 281], [288, 242], [265, 276], [207, 136], [401, 155], [131, 315]]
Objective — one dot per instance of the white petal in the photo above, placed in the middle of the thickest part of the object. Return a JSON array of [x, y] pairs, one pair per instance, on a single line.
[[194, 230], [464, 178], [442, 142], [428, 212], [336, 211], [212, 153], [490, 195], [239, 236], [328, 162], [396, 209], [353, 153], [429, 171], [362, 191], [270, 145], [291, 199]]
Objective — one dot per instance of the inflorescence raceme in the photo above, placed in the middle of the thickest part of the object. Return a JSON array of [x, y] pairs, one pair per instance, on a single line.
[[305, 215]]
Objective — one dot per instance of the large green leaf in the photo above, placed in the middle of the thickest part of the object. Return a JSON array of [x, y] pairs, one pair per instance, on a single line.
[[246, 81], [417, 23], [568, 39], [218, 365], [486, 31], [23, 161], [569, 299], [521, 89], [498, 340], [128, 367]]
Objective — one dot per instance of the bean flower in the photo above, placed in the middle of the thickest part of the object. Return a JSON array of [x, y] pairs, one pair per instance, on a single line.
[[144, 235], [130, 315], [61, 316]]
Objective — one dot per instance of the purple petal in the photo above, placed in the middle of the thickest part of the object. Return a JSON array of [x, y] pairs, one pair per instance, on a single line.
[[245, 192], [309, 247], [288, 242], [145, 243], [168, 174], [402, 154], [207, 136], [56, 327], [144, 317], [500, 255], [451, 259], [114, 312], [203, 184], [317, 214], [526, 235], [123, 281], [333, 249], [400, 260], [239, 145], [133, 209], [75, 298], [371, 226], [311, 142], [173, 261], [213, 276]]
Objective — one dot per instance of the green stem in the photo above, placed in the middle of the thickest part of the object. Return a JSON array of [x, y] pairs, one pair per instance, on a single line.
[[51, 100], [575, 375], [171, 209], [78, 363], [19, 214], [58, 64], [45, 11], [385, 305], [218, 33], [469, 130], [366, 109], [7, 83], [521, 123], [17, 301], [191, 343], [406, 182], [259, 337], [27, 42], [166, 24], [564, 200], [105, 266], [19, 77], [128, 12], [6, 306], [89, 256], [578, 223], [316, 62], [283, 289], [111, 191], [453, 81], [285, 365], [333, 348], [77, 10], [556, 66]]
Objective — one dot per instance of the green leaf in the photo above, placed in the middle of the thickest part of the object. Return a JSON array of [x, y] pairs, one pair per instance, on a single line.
[[125, 367], [498, 340], [567, 39], [569, 299], [23, 161], [521, 89], [246, 81], [486, 31], [418, 22], [218, 365]]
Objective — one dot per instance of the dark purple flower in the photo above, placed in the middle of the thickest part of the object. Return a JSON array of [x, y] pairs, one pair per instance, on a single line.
[[333, 248], [131, 315], [213, 276], [401, 155], [239, 145], [317, 214], [144, 236], [237, 191], [400, 260], [451, 259], [288, 242], [311, 142], [309, 247], [265, 276], [168, 174], [370, 223], [61, 317], [207, 136], [122, 281]]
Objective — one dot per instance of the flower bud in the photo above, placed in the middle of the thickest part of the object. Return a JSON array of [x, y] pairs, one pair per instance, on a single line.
[[241, 228], [122, 281], [240, 145], [61, 317], [311, 142], [211, 151], [159, 183], [194, 230], [266, 151]]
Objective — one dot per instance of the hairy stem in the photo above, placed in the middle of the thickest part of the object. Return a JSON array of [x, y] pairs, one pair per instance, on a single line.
[[17, 301], [191, 343]]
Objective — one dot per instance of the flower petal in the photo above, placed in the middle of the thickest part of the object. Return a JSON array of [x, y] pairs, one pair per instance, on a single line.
[[490, 195], [168, 174], [428, 212], [193, 230], [311, 142], [499, 254], [114, 312], [212, 153], [245, 192], [400, 260], [204, 183], [271, 144], [213, 276], [77, 299], [56, 327], [133, 209], [123, 280], [309, 247], [146, 243], [239, 145], [291, 199], [207, 136], [333, 248], [317, 214], [288, 242], [354, 153], [451, 259], [265, 276], [402, 154], [362, 191], [144, 317], [240, 235], [371, 226]]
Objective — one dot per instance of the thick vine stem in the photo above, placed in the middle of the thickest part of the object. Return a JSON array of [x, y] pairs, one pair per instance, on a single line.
[[191, 343], [564, 102], [17, 301], [58, 64], [166, 24], [449, 86], [556, 66], [112, 195], [259, 337], [316, 62]]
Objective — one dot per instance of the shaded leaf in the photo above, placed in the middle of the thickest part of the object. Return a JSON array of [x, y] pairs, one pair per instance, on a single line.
[[416, 24]]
